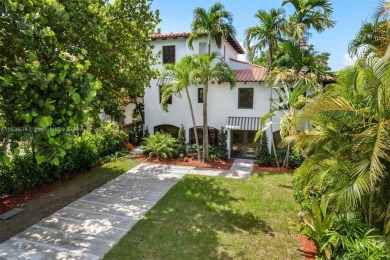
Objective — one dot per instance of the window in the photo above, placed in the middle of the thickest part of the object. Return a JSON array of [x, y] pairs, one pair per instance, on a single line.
[[245, 98], [168, 54], [169, 129], [200, 95], [169, 99], [213, 135], [202, 48]]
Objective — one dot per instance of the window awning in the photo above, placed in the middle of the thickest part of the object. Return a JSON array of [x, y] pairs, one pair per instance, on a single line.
[[243, 123]]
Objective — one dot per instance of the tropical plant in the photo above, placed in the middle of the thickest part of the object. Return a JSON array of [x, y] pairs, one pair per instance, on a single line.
[[223, 151], [309, 14], [351, 126], [161, 145], [263, 157], [267, 34], [289, 101], [182, 140], [207, 68], [373, 37], [180, 75], [316, 226], [215, 24]]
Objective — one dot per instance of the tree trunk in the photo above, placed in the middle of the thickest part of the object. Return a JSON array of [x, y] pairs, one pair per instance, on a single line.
[[205, 126], [270, 51], [272, 132], [194, 124]]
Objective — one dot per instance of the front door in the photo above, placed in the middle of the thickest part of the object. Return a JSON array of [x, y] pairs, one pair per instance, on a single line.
[[243, 145]]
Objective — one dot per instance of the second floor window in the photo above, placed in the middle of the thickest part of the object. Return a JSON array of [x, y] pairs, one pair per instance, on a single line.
[[245, 98], [168, 54]]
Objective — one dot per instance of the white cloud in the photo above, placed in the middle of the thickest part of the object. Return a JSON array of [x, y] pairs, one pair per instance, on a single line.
[[348, 60]]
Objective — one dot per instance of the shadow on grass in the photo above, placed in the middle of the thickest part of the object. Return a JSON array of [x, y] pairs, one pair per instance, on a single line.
[[188, 223]]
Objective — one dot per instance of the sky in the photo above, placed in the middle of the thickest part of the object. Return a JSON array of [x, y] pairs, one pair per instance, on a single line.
[[349, 15]]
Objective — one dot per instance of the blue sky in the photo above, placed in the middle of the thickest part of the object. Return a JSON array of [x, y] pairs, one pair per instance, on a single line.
[[177, 16]]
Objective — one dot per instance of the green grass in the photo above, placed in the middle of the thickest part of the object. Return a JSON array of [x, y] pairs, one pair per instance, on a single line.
[[217, 218]]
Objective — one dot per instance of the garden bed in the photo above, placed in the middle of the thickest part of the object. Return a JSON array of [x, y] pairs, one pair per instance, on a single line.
[[220, 164], [272, 169]]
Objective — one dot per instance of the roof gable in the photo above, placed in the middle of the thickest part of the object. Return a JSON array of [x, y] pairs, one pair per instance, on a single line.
[[230, 39]]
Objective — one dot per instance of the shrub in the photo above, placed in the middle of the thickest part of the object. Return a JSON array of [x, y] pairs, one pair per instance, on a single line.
[[295, 158], [110, 139], [136, 134], [88, 150], [182, 140], [263, 157], [161, 145], [340, 236], [223, 151]]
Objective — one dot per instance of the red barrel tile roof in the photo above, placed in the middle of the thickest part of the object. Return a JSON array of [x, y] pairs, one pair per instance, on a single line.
[[169, 35]]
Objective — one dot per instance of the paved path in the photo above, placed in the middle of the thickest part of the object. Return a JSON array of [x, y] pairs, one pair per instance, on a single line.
[[88, 227]]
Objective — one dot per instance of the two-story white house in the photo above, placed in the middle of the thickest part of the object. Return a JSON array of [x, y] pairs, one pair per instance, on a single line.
[[238, 110]]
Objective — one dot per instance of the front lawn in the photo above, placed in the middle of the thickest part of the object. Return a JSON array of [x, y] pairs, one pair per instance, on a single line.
[[217, 218]]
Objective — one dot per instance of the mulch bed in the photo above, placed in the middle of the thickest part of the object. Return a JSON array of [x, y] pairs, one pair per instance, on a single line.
[[271, 169], [12, 201], [220, 164]]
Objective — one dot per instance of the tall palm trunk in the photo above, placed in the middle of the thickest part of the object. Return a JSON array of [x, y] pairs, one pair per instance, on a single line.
[[193, 123], [272, 132], [205, 128]]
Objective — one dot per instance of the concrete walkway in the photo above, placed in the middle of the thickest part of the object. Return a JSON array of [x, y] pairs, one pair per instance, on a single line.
[[91, 225]]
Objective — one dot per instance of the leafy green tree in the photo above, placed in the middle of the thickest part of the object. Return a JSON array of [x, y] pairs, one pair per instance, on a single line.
[[180, 75], [215, 24], [207, 68], [182, 140], [309, 14], [64, 62], [223, 151], [263, 156], [267, 34]]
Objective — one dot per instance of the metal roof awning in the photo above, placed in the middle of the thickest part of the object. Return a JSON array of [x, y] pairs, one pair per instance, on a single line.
[[243, 123], [163, 81]]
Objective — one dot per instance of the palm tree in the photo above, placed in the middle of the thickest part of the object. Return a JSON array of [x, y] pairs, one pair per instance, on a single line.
[[350, 139], [267, 34], [309, 14], [373, 37], [207, 68], [216, 24], [181, 78]]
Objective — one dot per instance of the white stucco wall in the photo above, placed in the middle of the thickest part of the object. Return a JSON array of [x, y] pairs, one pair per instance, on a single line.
[[222, 101]]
